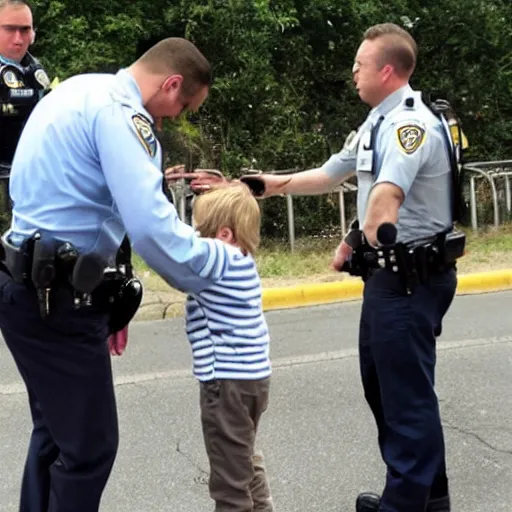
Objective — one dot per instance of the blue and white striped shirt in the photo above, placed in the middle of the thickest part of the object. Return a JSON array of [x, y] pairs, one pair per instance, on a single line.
[[225, 323]]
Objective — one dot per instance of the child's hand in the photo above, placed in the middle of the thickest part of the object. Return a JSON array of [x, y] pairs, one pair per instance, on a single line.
[[201, 180]]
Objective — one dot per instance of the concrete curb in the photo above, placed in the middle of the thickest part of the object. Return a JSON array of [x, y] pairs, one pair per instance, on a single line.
[[352, 289]]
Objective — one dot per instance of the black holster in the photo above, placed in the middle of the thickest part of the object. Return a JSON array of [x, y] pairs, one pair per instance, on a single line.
[[414, 262], [363, 260], [119, 296], [121, 292], [115, 291]]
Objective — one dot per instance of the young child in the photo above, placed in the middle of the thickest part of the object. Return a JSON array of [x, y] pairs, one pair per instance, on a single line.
[[230, 347]]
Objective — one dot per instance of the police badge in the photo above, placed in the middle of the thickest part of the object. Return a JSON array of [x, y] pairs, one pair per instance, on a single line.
[[410, 137], [145, 134]]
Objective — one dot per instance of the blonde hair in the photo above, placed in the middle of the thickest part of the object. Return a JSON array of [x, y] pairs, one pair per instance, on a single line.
[[398, 47], [232, 207]]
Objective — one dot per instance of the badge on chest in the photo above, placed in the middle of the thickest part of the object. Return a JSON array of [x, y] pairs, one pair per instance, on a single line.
[[365, 153]]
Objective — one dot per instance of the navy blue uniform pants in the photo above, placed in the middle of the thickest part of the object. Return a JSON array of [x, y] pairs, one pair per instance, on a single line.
[[65, 364], [397, 349]]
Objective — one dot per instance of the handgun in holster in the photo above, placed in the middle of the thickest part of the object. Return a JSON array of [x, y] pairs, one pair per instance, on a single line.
[[43, 272], [17, 259], [120, 292], [127, 295], [363, 258]]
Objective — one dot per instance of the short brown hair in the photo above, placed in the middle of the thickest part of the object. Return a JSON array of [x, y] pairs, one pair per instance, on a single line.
[[232, 207], [398, 49], [178, 55]]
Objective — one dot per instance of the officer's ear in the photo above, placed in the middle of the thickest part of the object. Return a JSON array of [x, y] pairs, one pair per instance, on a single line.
[[387, 70], [172, 83], [32, 36]]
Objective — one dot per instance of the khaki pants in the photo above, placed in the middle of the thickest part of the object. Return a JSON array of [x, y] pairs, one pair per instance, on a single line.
[[230, 413]]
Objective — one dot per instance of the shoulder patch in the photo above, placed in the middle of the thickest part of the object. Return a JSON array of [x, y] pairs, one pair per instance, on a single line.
[[410, 137], [145, 133], [11, 79], [42, 78]]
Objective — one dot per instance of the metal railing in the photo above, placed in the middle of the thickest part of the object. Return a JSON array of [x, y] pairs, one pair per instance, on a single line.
[[181, 193], [490, 171]]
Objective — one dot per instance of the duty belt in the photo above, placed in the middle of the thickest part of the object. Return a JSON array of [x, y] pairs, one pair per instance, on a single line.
[[414, 262], [45, 265]]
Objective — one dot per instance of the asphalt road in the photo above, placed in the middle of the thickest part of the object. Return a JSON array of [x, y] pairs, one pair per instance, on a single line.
[[318, 436]]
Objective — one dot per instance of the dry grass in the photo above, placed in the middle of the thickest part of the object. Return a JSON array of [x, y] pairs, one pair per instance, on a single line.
[[487, 250]]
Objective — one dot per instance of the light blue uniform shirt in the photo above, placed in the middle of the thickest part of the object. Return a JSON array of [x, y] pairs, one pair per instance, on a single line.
[[408, 150], [84, 173], [5, 60]]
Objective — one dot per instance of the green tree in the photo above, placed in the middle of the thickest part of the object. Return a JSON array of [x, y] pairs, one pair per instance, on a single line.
[[283, 96]]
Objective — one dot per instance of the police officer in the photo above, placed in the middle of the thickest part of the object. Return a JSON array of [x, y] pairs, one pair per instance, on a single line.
[[23, 81], [403, 158], [86, 174]]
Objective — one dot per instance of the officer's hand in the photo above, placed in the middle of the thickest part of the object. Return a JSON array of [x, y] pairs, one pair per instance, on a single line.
[[341, 255], [174, 173], [201, 180], [207, 179], [117, 341]]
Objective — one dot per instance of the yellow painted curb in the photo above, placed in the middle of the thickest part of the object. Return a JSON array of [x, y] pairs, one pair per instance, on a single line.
[[482, 282], [352, 289]]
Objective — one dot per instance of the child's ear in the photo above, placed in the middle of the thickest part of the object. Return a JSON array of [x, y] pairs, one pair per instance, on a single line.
[[226, 235]]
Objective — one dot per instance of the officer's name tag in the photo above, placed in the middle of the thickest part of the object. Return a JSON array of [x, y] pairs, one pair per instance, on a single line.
[[21, 93], [365, 153]]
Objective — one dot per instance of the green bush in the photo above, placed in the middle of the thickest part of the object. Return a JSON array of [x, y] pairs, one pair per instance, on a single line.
[[283, 95]]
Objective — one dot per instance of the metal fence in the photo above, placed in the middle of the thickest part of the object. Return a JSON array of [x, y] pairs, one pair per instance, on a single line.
[[490, 172]]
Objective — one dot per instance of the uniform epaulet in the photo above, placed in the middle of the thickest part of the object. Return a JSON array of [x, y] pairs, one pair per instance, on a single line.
[[406, 111]]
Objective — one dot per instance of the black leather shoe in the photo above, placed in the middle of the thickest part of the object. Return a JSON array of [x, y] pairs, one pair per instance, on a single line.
[[368, 502], [439, 505]]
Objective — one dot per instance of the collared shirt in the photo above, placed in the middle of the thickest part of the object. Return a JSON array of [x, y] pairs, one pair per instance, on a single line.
[[87, 170], [402, 142], [5, 60], [22, 85]]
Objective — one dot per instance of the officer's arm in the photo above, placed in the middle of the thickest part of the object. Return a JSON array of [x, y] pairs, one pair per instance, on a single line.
[[312, 182], [321, 180], [133, 176], [383, 204], [342, 165], [404, 153]]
